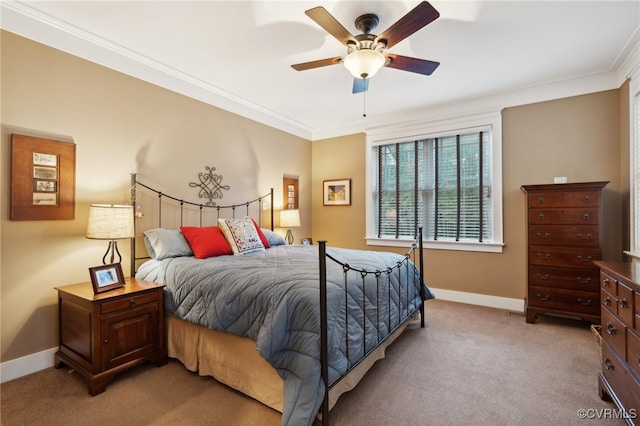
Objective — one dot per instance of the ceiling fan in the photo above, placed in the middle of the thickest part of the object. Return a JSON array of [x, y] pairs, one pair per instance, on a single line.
[[365, 52]]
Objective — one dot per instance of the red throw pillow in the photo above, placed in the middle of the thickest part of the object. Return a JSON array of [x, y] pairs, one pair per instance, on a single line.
[[208, 241], [263, 238]]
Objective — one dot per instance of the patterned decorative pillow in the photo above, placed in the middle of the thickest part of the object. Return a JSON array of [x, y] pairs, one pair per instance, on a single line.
[[241, 234]]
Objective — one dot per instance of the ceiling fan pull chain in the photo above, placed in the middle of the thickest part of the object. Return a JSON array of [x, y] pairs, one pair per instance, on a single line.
[[364, 101]]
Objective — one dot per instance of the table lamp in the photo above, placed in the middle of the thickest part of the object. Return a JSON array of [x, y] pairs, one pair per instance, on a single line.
[[289, 219], [110, 222]]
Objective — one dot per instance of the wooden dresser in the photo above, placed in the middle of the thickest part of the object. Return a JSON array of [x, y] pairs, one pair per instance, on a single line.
[[106, 333], [564, 237], [620, 302]]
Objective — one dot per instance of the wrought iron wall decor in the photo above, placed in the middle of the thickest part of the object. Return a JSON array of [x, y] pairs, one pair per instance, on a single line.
[[210, 186]]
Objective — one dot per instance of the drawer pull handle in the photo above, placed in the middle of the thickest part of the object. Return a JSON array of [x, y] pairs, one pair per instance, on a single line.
[[605, 282], [546, 235], [611, 329], [543, 256], [541, 216], [585, 198], [606, 301], [585, 259], [541, 199], [106, 341], [581, 280], [584, 237], [585, 216], [624, 303], [584, 303], [542, 276], [608, 364], [132, 303], [541, 297]]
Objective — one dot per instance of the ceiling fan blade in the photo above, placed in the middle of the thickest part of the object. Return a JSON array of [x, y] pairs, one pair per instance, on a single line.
[[360, 85], [317, 64], [417, 18], [405, 63], [330, 24]]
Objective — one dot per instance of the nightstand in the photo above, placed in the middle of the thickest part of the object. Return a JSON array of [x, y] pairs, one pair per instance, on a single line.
[[106, 333]]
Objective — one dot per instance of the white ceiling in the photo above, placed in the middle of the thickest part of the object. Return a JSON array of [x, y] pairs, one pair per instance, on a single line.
[[238, 54]]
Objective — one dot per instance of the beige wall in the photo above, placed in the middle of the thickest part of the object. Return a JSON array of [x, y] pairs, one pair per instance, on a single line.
[[577, 137], [119, 125]]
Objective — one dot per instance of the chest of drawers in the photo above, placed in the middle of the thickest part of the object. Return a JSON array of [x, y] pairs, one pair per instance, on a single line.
[[564, 237], [620, 303]]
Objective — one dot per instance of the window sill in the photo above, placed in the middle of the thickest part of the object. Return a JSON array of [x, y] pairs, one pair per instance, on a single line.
[[438, 245]]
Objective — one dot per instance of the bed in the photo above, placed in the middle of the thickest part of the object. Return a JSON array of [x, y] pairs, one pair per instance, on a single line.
[[292, 326]]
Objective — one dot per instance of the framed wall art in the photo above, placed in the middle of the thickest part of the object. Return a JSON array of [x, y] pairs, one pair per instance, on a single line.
[[43, 175], [106, 277], [336, 192]]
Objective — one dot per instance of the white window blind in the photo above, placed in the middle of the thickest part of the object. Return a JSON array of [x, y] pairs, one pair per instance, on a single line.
[[446, 179]]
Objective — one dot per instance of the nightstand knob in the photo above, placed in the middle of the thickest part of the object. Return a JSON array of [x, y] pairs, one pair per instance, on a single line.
[[611, 329], [132, 303], [106, 341]]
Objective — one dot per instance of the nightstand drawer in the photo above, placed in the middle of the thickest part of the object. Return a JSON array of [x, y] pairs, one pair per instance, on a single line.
[[131, 301]]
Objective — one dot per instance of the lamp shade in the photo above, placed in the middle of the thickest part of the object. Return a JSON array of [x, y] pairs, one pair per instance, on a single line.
[[110, 222], [289, 218], [364, 63]]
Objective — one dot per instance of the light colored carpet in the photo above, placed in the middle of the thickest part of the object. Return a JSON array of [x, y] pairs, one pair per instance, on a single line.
[[470, 366]]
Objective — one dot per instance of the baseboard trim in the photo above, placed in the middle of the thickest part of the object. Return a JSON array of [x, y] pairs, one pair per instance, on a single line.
[[26, 365], [29, 364], [512, 305]]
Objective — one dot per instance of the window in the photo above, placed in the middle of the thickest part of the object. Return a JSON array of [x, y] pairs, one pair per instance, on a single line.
[[446, 181]]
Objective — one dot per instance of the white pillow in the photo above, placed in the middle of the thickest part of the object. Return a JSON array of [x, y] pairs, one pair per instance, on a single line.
[[164, 243], [241, 234]]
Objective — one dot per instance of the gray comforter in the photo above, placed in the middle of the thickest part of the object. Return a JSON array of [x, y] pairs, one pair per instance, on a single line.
[[272, 297]]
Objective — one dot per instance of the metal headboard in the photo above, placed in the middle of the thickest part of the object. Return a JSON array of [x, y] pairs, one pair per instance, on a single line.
[[208, 206]]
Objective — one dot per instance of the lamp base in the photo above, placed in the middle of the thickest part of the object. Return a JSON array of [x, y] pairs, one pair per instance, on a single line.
[[289, 237], [113, 249]]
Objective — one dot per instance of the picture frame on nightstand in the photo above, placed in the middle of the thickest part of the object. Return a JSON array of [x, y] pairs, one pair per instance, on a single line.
[[106, 277]]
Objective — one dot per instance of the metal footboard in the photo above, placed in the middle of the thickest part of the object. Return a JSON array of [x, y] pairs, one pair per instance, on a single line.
[[392, 324]]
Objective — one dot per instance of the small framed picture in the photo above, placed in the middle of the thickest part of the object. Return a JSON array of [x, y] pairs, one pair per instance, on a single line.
[[336, 192], [106, 277]]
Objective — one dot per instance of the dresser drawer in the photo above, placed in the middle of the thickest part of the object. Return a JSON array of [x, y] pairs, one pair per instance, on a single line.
[[583, 198], [564, 216], [609, 300], [621, 379], [636, 303], [613, 331], [609, 283], [633, 351], [568, 278], [568, 257], [129, 302], [625, 304], [564, 300], [565, 235]]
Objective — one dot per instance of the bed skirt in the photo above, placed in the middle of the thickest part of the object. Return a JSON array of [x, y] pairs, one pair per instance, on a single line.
[[234, 361]]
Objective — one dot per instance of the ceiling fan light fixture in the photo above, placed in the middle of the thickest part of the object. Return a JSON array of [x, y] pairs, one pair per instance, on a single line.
[[364, 63]]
